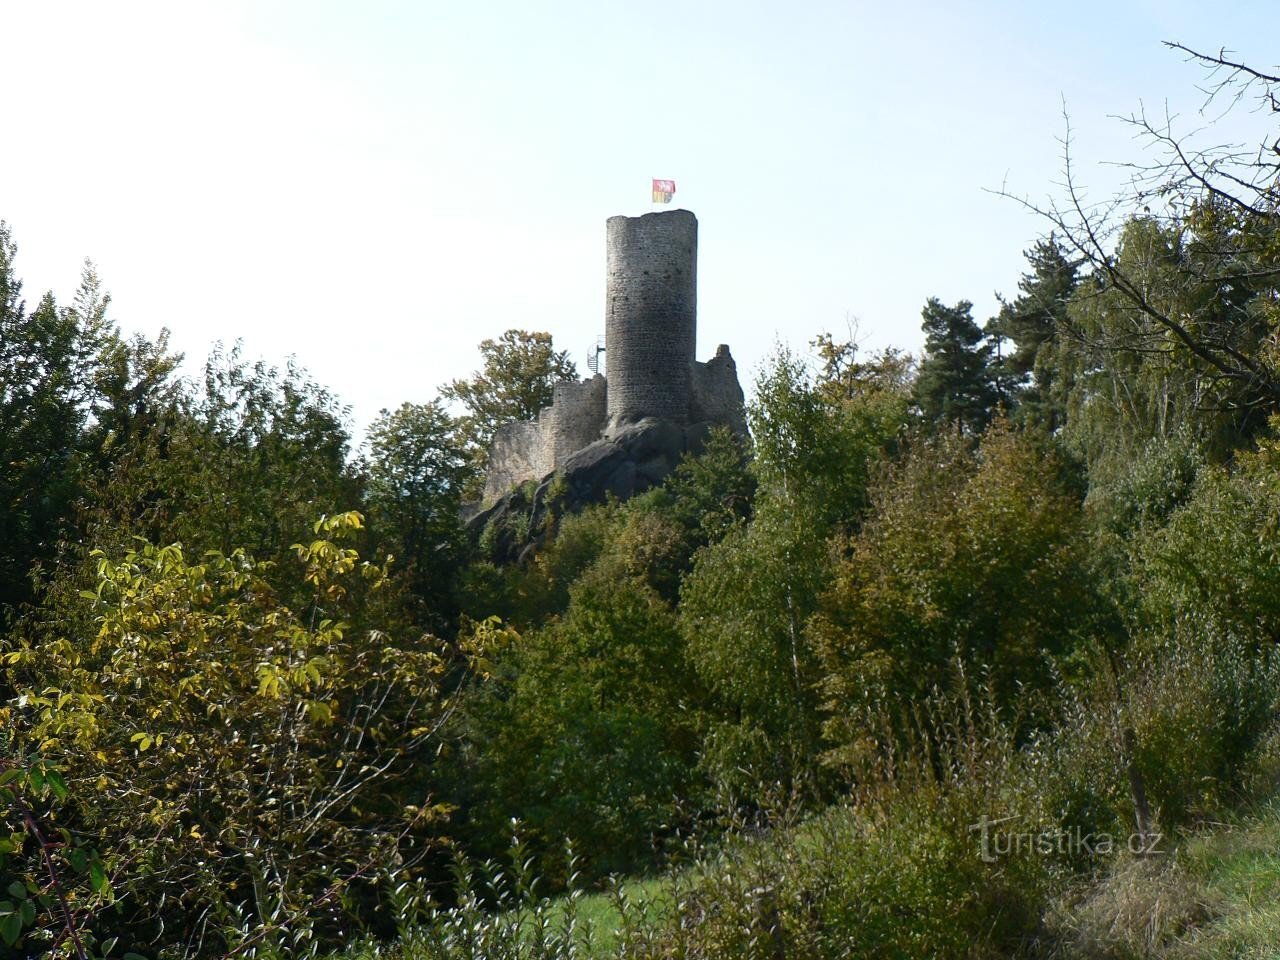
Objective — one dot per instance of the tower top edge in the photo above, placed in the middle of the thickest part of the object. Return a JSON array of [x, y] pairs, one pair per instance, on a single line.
[[679, 213]]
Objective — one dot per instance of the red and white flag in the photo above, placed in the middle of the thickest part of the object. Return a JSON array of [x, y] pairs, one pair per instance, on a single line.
[[663, 190]]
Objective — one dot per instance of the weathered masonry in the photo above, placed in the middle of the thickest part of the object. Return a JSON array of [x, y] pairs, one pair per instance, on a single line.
[[651, 374]]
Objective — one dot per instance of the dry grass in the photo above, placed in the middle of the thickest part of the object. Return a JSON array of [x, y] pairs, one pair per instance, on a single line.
[[1216, 897], [1144, 908]]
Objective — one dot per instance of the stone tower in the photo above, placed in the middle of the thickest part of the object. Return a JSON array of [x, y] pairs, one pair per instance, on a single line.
[[651, 295]]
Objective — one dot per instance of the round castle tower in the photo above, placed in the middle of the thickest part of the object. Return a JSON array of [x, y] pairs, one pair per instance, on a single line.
[[651, 295]]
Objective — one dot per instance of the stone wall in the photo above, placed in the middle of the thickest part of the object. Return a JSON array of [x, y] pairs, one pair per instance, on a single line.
[[516, 454], [717, 395], [651, 294], [531, 449], [577, 417]]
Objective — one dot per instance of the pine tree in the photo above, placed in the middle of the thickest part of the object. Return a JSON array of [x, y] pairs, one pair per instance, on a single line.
[[45, 382], [955, 385], [1029, 375]]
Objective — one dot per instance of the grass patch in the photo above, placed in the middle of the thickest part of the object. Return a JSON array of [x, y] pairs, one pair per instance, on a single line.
[[1214, 896], [1238, 870], [585, 926]]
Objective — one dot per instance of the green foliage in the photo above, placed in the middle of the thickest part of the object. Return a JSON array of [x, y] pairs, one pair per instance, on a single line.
[[974, 554], [236, 753], [1134, 378], [816, 442], [744, 606], [706, 495], [584, 728], [954, 387], [1029, 378], [1214, 562], [243, 459], [742, 613], [1202, 704], [514, 382], [655, 535], [1139, 494], [416, 471], [900, 881], [55, 882], [61, 371]]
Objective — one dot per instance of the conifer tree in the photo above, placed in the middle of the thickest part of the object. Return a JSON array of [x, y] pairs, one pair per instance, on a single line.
[[954, 387], [1030, 375], [45, 358]]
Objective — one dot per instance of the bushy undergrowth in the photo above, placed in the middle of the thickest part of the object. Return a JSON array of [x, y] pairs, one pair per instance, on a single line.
[[968, 842]]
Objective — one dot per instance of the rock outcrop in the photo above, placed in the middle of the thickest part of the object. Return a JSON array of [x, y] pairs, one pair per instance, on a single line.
[[636, 458]]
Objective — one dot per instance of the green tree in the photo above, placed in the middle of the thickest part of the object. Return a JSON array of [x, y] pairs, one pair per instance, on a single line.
[[242, 458], [742, 612], [817, 439], [584, 729], [954, 386], [1214, 210], [232, 756], [707, 494], [744, 606], [514, 382], [416, 471], [47, 359], [1133, 381], [1212, 564], [971, 558], [136, 390], [1030, 376]]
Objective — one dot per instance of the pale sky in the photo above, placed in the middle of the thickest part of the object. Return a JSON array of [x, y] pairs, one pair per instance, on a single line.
[[375, 187]]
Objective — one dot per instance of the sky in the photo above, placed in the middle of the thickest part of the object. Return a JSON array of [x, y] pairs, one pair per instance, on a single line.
[[375, 187]]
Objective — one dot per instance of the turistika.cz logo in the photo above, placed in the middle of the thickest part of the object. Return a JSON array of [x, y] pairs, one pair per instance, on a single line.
[[994, 842]]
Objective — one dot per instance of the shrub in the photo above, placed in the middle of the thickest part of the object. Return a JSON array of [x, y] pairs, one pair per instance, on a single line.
[[975, 554], [584, 730], [233, 758]]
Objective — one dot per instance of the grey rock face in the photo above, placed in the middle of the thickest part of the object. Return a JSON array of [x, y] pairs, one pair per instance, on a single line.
[[635, 458]]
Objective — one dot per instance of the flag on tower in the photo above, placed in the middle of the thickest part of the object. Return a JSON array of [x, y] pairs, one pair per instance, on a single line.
[[663, 190]]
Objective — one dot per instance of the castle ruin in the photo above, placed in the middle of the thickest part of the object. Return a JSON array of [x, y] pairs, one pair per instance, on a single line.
[[653, 386]]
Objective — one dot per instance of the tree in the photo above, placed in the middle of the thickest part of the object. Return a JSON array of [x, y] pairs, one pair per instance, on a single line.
[[47, 359], [416, 469], [1130, 383], [135, 390], [745, 604], [817, 439], [743, 610], [233, 756], [1221, 206], [585, 728], [971, 556], [514, 382], [954, 385], [243, 458], [1030, 375]]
